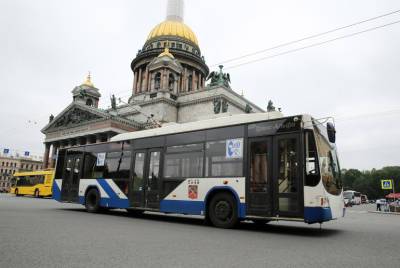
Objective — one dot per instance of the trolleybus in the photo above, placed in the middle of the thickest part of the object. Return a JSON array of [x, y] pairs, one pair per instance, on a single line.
[[258, 167]]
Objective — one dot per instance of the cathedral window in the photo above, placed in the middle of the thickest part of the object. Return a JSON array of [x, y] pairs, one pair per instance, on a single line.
[[157, 81], [89, 102], [171, 82]]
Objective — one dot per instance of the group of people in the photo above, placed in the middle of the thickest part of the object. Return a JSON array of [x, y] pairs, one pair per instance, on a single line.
[[383, 204]]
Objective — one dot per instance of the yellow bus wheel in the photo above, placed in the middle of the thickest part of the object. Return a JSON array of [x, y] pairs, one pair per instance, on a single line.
[[16, 192], [37, 193]]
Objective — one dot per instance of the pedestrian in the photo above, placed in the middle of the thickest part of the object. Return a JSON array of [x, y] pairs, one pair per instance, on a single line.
[[378, 205]]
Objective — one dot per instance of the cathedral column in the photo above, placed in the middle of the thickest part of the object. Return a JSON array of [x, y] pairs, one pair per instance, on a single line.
[[184, 84], [135, 82], [194, 87], [53, 156], [146, 79], [167, 80], [139, 88], [46, 155], [163, 77], [199, 81]]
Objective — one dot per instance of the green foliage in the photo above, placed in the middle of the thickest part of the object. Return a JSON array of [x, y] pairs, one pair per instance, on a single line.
[[369, 182]]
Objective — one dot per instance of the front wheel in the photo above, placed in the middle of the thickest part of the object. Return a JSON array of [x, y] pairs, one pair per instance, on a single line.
[[37, 194], [92, 201], [223, 211]]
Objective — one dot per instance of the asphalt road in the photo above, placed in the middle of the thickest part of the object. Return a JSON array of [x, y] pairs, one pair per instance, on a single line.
[[44, 233]]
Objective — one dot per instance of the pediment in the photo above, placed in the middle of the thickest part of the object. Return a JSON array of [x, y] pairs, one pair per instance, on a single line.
[[73, 116], [160, 63]]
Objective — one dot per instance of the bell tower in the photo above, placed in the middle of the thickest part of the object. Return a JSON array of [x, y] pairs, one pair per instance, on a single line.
[[87, 93]]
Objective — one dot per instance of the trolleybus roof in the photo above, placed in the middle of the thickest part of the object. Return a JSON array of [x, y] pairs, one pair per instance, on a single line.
[[198, 125]]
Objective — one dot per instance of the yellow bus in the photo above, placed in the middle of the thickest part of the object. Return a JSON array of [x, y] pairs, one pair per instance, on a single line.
[[37, 183]]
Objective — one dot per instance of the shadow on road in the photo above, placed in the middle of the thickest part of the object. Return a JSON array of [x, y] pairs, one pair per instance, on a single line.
[[306, 230]]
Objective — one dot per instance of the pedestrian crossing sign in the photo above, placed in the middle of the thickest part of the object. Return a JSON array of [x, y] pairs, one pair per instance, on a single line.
[[386, 184]]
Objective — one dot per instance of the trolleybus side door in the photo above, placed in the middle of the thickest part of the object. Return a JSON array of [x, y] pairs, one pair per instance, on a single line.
[[259, 184], [288, 191], [72, 173], [146, 178]]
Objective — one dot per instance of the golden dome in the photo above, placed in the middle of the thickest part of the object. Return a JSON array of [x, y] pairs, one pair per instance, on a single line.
[[173, 28], [88, 81]]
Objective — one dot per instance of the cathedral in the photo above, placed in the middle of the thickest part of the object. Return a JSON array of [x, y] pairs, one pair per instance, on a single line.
[[172, 84]]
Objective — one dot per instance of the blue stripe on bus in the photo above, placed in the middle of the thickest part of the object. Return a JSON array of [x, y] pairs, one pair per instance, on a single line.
[[191, 207], [182, 207], [56, 192], [317, 214], [114, 200]]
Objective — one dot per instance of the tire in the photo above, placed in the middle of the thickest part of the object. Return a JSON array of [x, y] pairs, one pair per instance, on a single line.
[[37, 193], [134, 212], [16, 192], [92, 201], [222, 211]]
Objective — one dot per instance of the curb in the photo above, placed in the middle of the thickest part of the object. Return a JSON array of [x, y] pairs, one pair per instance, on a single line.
[[386, 213]]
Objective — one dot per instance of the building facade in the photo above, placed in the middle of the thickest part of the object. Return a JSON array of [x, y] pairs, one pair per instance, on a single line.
[[170, 85], [9, 165]]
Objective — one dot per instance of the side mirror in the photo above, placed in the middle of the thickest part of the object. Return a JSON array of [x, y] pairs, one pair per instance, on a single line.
[[331, 132]]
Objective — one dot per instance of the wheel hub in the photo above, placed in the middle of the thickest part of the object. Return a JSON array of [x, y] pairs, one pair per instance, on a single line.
[[223, 210]]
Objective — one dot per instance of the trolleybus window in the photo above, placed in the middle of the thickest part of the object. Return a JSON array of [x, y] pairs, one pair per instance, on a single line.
[[329, 165], [154, 170], [138, 172], [217, 162], [312, 170], [184, 161], [259, 166], [287, 166]]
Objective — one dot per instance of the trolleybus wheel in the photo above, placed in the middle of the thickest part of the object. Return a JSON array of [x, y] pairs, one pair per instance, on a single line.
[[37, 193], [223, 211], [92, 201]]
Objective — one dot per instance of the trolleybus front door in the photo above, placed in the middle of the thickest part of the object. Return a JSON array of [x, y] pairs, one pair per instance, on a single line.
[[70, 183], [146, 179], [259, 185], [288, 184]]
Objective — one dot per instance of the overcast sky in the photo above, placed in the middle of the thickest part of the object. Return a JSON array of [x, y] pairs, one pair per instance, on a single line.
[[47, 47]]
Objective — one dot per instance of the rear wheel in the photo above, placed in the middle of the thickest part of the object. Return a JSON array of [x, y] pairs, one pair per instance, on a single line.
[[222, 211], [92, 201], [37, 194]]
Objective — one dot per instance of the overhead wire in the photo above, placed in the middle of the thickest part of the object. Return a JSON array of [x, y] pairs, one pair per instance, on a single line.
[[305, 38], [312, 45]]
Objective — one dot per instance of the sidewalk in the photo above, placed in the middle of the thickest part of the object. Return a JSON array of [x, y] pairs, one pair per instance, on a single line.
[[381, 212]]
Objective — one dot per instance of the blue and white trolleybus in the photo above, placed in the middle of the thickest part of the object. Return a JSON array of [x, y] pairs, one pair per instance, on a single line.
[[258, 167]]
